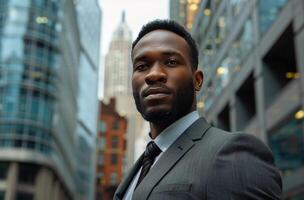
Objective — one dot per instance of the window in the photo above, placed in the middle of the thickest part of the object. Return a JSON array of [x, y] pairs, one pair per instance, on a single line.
[[279, 64], [102, 127], [286, 142], [101, 143], [245, 103], [2, 195], [114, 142], [268, 12], [115, 125], [113, 178], [27, 174], [100, 160], [24, 196], [100, 178], [3, 171], [224, 118], [236, 7], [114, 159]]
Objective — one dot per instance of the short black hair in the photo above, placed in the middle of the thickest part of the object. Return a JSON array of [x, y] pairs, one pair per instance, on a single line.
[[170, 25]]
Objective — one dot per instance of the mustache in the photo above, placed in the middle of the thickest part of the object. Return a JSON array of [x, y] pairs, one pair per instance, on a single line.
[[157, 88]]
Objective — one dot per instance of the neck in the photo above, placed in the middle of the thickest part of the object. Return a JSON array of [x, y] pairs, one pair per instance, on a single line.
[[157, 128]]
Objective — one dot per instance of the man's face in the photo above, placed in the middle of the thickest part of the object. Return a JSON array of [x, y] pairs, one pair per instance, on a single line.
[[163, 81]]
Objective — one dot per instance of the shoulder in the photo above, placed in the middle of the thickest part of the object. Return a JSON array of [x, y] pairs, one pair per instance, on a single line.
[[242, 167], [223, 141]]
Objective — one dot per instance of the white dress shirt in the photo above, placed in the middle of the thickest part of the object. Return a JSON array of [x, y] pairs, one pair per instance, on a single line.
[[164, 140]]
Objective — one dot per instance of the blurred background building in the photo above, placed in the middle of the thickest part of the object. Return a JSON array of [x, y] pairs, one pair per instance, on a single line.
[[118, 70], [184, 11], [252, 55], [111, 150], [46, 61], [89, 22]]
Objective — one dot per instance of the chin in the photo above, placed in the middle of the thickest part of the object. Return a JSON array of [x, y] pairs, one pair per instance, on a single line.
[[155, 115]]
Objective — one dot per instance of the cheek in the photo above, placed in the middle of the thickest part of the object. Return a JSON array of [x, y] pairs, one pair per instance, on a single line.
[[179, 79], [137, 83]]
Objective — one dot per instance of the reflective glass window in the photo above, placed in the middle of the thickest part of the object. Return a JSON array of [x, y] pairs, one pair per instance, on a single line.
[[40, 3], [23, 3], [221, 28], [268, 11], [207, 54], [242, 45], [287, 144], [208, 96], [11, 49], [236, 6]]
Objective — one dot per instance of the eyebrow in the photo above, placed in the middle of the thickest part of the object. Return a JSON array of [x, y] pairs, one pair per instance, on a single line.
[[165, 53]]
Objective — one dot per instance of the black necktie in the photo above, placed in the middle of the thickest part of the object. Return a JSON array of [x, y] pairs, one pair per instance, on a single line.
[[151, 152]]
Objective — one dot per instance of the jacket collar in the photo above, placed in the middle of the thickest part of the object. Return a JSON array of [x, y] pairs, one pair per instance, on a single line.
[[166, 162]]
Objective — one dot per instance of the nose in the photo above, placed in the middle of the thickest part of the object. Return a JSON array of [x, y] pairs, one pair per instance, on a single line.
[[157, 73]]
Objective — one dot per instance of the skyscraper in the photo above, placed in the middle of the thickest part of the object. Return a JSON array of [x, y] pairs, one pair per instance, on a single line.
[[39, 60], [118, 67], [118, 72], [252, 55], [89, 22]]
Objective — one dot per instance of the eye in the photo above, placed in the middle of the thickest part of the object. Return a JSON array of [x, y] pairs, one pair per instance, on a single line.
[[140, 66], [172, 62]]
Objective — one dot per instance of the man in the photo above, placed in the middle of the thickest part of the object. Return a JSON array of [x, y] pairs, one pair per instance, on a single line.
[[187, 158]]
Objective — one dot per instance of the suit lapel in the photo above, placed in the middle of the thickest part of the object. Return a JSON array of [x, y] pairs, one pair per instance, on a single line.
[[170, 158], [123, 186]]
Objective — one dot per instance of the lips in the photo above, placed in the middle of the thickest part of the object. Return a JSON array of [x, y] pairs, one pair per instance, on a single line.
[[156, 92]]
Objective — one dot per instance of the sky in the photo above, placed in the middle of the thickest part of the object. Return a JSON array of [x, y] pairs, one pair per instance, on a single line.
[[138, 13]]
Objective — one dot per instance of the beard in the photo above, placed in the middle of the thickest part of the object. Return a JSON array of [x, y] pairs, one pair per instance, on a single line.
[[181, 104]]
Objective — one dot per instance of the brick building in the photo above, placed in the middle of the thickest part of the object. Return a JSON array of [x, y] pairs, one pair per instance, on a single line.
[[111, 150]]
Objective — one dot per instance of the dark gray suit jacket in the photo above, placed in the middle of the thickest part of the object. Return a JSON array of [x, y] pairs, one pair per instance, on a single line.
[[209, 163]]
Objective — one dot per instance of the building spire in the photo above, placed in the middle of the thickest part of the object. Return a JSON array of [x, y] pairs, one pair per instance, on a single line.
[[123, 16]]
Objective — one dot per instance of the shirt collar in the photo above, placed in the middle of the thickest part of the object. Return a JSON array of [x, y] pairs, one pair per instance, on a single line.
[[172, 132]]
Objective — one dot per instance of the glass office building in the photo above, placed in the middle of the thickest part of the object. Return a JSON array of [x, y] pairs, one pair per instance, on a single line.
[[252, 55], [89, 22], [184, 11], [39, 55]]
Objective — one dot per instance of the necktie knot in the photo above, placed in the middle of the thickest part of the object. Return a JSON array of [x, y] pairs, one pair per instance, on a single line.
[[152, 150]]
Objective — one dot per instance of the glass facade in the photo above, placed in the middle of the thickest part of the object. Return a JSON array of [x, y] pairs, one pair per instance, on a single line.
[[230, 64], [28, 59], [86, 156], [88, 19], [268, 12], [287, 144], [39, 62], [250, 53], [184, 11]]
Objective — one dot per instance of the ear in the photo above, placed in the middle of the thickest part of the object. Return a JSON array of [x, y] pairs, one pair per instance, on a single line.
[[198, 79]]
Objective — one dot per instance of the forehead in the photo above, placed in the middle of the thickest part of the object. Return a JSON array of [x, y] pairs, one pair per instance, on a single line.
[[161, 40]]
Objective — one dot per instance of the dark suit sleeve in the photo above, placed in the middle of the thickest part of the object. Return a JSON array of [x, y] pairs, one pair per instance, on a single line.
[[243, 169]]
